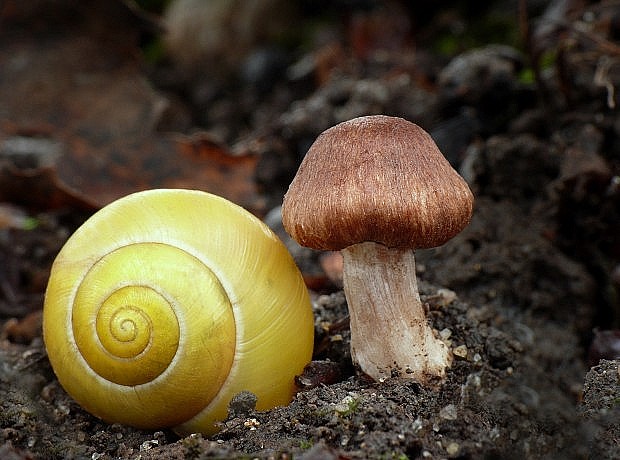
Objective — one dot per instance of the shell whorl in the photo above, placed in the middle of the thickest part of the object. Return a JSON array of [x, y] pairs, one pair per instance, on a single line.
[[166, 303]]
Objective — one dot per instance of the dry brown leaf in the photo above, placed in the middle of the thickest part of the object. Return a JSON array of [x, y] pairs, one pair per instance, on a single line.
[[78, 84]]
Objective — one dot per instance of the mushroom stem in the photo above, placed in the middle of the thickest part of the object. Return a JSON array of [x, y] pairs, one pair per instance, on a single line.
[[389, 330]]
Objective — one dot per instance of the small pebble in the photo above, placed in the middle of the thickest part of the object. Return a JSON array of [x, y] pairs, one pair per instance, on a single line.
[[148, 445], [445, 334], [452, 448], [417, 425], [251, 423], [344, 406], [460, 351], [447, 296], [449, 412]]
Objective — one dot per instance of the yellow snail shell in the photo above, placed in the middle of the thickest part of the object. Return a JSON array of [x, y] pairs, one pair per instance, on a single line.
[[167, 303]]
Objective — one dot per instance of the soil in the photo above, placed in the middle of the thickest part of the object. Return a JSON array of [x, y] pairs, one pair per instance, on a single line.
[[527, 296]]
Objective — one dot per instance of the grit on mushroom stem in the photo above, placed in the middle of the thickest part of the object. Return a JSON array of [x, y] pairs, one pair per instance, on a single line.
[[389, 329]]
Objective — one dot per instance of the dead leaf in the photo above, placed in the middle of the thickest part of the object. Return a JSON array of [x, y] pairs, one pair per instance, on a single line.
[[23, 330], [78, 84]]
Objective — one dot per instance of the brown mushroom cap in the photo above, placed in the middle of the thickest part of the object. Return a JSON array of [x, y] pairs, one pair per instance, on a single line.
[[376, 178]]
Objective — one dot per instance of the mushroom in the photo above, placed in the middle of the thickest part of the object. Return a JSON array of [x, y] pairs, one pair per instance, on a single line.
[[378, 188]]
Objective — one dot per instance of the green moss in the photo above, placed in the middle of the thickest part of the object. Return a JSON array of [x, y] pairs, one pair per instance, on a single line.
[[306, 444], [154, 51], [348, 406], [491, 28], [30, 223], [546, 61]]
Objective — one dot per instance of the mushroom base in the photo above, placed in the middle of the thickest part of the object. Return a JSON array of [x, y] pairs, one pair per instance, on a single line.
[[389, 332]]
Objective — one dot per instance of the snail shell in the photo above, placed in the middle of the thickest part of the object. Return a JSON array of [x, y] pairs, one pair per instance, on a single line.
[[167, 303]]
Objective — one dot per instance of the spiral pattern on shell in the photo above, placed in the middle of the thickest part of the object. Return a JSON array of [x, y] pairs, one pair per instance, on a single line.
[[167, 303]]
